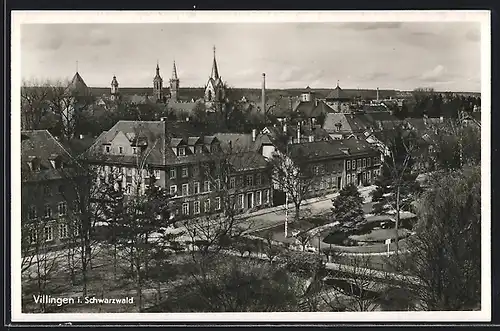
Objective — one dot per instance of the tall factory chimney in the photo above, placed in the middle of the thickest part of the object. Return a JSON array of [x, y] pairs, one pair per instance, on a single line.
[[263, 97], [378, 96]]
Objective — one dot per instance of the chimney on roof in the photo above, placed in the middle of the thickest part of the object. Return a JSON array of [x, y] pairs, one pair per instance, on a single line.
[[263, 97], [254, 134]]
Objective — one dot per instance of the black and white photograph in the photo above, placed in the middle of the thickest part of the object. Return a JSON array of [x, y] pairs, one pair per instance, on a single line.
[[301, 166]]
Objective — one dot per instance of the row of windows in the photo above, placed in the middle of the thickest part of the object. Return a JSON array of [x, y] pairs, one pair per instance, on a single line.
[[259, 198], [361, 163], [328, 183], [321, 168], [48, 231], [250, 180], [128, 171], [121, 150], [62, 210], [207, 187], [365, 177], [196, 206]]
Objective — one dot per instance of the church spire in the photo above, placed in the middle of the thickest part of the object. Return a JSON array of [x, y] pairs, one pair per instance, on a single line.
[[215, 71], [157, 69], [174, 72]]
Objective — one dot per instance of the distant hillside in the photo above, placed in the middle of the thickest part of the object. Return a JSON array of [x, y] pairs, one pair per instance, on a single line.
[[252, 94]]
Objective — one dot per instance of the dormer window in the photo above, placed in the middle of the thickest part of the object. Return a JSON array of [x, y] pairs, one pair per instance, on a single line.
[[55, 161], [181, 151], [34, 163]]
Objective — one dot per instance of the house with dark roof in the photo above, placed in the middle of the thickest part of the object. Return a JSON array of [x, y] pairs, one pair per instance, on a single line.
[[191, 164], [339, 100], [52, 183], [344, 125], [336, 163]]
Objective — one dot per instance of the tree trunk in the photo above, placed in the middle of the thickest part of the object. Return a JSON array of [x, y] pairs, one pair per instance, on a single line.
[[138, 285], [114, 260], [397, 220], [159, 293], [297, 212]]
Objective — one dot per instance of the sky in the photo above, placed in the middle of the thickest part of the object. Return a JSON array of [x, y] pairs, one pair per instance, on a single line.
[[388, 55]]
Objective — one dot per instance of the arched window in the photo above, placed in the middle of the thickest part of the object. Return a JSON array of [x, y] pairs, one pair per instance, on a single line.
[[209, 95]]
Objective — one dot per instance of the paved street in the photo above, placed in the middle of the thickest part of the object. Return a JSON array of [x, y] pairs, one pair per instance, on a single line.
[[315, 206]]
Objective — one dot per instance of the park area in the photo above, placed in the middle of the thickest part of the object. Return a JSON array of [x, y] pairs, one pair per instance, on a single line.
[[370, 239]]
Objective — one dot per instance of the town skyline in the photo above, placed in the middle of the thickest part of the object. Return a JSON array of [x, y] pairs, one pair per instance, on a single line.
[[359, 61]]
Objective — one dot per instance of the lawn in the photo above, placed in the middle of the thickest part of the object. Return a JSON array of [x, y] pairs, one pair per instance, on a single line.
[[380, 235], [102, 284], [277, 233], [373, 248]]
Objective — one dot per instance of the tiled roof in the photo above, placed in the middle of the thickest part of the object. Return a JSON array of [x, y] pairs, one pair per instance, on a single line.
[[183, 106], [337, 94], [328, 149], [77, 146], [41, 146], [193, 141], [417, 124], [154, 131], [336, 120], [247, 161], [374, 108], [161, 136], [78, 85], [236, 142], [358, 122]]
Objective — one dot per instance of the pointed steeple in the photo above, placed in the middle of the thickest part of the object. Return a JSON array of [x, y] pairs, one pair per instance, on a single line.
[[174, 84], [174, 72], [157, 70], [215, 71]]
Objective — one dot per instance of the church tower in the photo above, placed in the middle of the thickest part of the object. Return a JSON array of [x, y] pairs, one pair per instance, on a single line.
[[114, 89], [214, 90], [174, 85], [158, 85]]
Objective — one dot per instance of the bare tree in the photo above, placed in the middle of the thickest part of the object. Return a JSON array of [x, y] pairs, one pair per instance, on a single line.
[[34, 104], [41, 264], [444, 256], [56, 97], [397, 179], [270, 248], [293, 176], [454, 144], [353, 286]]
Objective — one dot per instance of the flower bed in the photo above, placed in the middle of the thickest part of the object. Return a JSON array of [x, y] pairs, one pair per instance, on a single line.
[[380, 235]]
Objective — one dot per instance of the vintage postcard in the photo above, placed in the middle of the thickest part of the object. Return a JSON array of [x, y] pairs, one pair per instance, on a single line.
[[251, 166]]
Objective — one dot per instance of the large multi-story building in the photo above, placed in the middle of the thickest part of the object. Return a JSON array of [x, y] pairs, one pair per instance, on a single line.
[[328, 166], [51, 191], [325, 165], [194, 168]]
